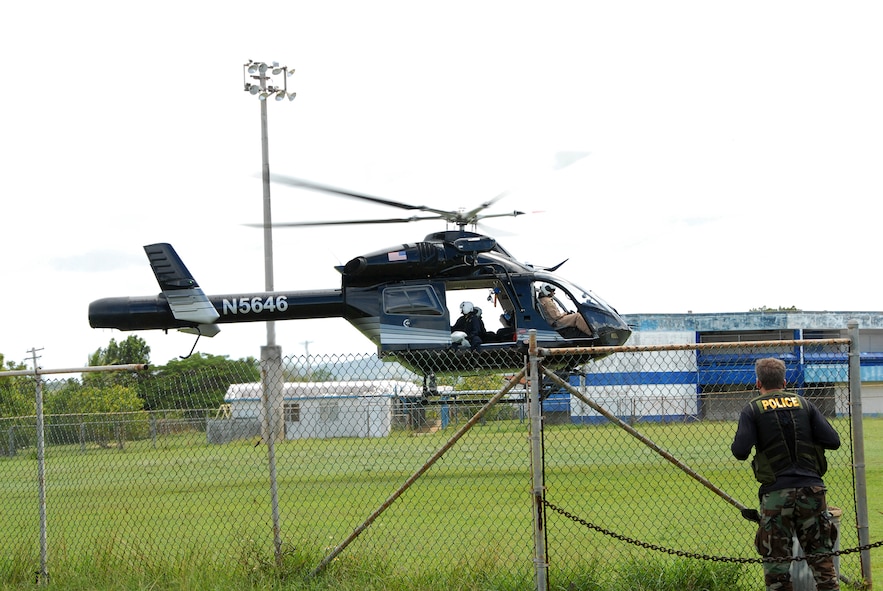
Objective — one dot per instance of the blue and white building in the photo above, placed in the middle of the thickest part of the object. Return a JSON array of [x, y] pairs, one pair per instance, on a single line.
[[681, 387]]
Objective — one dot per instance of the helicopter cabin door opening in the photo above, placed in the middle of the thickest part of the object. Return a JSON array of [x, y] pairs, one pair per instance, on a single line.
[[421, 314], [493, 307]]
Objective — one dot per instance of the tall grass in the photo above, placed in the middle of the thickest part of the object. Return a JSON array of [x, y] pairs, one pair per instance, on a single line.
[[230, 558], [355, 572]]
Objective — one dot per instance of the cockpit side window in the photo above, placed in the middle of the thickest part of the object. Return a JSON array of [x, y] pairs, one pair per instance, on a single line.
[[412, 300], [560, 310], [557, 294]]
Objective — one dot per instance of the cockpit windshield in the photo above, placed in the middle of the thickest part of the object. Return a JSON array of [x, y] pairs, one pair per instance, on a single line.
[[583, 296]]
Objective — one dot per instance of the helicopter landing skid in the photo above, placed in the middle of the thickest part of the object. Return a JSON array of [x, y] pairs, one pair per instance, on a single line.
[[490, 358]]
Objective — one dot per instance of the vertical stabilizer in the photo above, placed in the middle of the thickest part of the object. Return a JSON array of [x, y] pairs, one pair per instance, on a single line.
[[185, 298]]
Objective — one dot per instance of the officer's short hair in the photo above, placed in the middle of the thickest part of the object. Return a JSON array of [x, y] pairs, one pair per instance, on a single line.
[[770, 372]]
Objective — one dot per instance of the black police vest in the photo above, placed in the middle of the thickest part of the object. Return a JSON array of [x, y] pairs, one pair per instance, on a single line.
[[780, 446]]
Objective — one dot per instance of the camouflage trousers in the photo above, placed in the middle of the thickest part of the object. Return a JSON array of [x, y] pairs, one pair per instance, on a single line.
[[802, 512]]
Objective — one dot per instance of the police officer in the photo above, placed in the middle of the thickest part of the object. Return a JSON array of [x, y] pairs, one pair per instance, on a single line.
[[789, 435]]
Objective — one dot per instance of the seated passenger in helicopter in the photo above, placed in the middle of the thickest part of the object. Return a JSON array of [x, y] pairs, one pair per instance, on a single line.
[[488, 336], [469, 327], [558, 318], [506, 332]]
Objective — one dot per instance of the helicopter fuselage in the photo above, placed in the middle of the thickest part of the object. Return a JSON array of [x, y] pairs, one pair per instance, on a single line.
[[396, 297]]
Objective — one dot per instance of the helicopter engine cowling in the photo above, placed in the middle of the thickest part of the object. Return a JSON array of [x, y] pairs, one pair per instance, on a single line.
[[408, 261]]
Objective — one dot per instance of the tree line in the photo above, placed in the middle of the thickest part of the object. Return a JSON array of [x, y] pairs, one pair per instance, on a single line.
[[197, 382]]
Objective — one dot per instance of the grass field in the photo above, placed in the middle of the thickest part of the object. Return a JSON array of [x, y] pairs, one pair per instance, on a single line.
[[184, 514]]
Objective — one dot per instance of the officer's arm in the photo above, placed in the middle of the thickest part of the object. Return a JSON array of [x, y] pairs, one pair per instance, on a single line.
[[746, 436], [823, 433]]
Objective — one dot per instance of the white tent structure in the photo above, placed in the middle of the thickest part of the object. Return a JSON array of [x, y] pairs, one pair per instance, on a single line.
[[327, 409]]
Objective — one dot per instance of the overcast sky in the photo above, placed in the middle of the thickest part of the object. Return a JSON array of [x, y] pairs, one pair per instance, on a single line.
[[734, 151]]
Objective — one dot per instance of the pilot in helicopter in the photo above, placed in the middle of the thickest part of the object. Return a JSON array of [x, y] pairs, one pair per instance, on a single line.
[[556, 316], [469, 327]]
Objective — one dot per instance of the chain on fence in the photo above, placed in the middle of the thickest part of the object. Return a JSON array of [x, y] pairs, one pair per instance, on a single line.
[[375, 461]]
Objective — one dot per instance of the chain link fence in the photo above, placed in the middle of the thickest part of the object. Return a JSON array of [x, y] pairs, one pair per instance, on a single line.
[[367, 459], [645, 465]]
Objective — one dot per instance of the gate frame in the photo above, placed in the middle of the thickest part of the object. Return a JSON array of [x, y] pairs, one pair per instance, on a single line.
[[858, 453]]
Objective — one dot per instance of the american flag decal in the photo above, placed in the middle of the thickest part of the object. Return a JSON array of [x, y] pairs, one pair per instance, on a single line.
[[400, 255]]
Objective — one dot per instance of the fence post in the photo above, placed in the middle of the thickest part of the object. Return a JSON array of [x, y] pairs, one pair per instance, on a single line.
[[858, 448], [541, 565], [41, 476], [118, 433]]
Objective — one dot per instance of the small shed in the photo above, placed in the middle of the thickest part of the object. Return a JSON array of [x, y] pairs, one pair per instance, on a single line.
[[327, 409]]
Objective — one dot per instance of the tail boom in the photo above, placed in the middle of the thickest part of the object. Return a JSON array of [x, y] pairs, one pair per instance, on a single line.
[[156, 312]]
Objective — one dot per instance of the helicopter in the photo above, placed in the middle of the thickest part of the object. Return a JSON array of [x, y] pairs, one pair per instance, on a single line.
[[396, 296]]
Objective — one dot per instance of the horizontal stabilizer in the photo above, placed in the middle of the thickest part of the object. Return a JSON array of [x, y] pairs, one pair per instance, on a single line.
[[191, 305]]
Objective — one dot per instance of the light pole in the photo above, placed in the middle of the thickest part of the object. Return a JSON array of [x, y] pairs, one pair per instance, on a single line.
[[259, 79], [255, 78]]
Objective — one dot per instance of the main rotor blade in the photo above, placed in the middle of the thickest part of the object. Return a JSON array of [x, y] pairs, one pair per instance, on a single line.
[[294, 182], [472, 216], [513, 214], [349, 222], [459, 218]]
